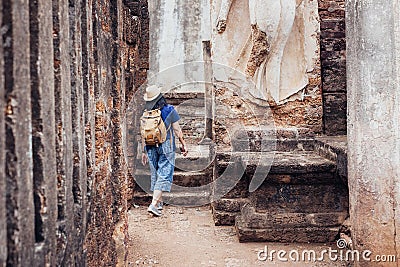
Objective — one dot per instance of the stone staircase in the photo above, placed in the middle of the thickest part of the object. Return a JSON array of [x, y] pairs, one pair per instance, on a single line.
[[304, 197], [193, 173]]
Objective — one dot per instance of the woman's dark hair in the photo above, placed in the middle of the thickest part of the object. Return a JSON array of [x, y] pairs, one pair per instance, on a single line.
[[158, 105]]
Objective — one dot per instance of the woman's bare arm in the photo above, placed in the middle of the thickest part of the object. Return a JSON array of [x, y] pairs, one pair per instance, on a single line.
[[179, 135]]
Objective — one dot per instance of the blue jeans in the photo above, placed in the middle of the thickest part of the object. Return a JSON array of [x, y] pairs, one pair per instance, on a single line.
[[162, 164]]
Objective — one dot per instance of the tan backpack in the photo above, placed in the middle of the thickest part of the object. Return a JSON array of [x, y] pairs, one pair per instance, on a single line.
[[152, 127]]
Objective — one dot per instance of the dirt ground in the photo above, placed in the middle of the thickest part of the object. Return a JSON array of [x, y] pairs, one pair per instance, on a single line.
[[187, 237]]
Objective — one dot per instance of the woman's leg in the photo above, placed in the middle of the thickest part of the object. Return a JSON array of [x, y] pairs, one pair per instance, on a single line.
[[153, 162], [157, 197], [165, 172]]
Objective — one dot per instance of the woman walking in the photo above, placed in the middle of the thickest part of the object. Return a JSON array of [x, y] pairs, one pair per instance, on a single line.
[[161, 157]]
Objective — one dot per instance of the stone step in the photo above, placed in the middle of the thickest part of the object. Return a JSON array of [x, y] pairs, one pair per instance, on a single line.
[[181, 178], [229, 204], [280, 162], [197, 159], [300, 198], [335, 149], [282, 170], [186, 199], [294, 182], [268, 145], [296, 199], [285, 235], [191, 179], [225, 210], [175, 98], [224, 217], [278, 133], [250, 218], [181, 164], [307, 199]]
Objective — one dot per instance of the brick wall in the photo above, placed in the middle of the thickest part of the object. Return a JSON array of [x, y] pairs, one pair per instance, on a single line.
[[65, 75], [333, 65]]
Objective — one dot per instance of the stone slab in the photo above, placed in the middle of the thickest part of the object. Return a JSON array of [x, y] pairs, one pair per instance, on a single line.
[[281, 162], [300, 198], [286, 235], [335, 149], [229, 204], [224, 218], [187, 179], [225, 210], [250, 218], [186, 199]]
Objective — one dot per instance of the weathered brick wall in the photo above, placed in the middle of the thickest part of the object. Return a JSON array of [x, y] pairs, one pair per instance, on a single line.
[[64, 81], [333, 65]]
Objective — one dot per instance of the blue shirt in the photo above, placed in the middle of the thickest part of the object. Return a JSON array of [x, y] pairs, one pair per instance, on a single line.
[[169, 115]]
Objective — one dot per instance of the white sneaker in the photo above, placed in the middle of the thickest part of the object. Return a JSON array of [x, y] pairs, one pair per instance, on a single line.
[[154, 210]]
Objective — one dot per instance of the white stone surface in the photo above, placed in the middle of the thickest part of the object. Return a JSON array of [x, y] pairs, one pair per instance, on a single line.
[[373, 84], [178, 28], [292, 28]]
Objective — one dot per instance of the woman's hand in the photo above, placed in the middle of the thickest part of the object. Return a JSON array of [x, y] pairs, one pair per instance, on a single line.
[[145, 159], [184, 150], [179, 134]]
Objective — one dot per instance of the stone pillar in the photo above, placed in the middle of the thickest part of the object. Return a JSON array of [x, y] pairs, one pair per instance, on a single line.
[[176, 34], [18, 161], [373, 37], [3, 223], [209, 89], [79, 172], [89, 101], [43, 131], [63, 129]]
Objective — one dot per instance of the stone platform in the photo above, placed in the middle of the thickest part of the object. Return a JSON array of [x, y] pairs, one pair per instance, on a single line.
[[304, 197]]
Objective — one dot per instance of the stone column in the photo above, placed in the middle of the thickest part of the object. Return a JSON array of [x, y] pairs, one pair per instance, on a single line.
[[209, 88], [3, 222], [43, 134], [65, 231], [79, 171], [373, 56], [18, 140]]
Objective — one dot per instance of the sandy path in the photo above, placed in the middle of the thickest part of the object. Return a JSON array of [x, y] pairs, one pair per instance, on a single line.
[[187, 237]]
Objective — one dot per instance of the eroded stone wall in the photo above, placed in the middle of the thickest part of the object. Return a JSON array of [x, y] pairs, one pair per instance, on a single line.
[[67, 69]]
